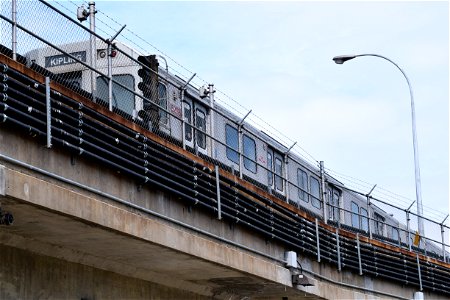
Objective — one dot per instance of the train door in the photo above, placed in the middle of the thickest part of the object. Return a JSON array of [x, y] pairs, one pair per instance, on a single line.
[[275, 170], [379, 223], [333, 208], [195, 126]]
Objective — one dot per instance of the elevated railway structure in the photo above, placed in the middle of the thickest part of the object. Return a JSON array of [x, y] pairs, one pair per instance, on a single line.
[[111, 205]]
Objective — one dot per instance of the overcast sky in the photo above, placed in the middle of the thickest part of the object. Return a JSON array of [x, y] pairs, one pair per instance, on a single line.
[[276, 59]]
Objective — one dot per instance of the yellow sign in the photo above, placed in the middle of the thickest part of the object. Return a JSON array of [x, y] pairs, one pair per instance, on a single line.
[[416, 239]]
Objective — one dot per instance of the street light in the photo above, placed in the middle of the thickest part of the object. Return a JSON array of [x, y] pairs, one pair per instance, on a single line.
[[343, 58]]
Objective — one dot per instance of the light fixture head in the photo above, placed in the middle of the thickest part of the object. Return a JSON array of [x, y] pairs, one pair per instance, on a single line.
[[343, 58], [82, 13]]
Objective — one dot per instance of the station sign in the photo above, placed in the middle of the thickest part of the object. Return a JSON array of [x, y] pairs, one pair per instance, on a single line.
[[64, 59]]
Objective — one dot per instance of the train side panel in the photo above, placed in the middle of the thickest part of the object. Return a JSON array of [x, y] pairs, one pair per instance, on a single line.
[[226, 150]]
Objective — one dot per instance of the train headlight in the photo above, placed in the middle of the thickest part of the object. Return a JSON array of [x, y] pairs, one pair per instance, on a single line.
[[102, 53]]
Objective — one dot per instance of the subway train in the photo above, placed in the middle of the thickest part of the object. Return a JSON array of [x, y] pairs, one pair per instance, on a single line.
[[142, 89]]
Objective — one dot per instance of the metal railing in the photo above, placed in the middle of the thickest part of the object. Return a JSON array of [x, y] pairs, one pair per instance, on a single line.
[[44, 37]]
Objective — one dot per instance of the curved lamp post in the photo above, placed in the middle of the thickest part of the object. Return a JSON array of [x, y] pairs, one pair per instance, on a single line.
[[343, 58]]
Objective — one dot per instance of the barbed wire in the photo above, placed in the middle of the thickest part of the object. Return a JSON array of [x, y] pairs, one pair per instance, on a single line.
[[61, 4], [384, 194]]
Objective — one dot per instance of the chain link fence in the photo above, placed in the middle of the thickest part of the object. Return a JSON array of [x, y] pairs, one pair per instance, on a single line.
[[141, 88]]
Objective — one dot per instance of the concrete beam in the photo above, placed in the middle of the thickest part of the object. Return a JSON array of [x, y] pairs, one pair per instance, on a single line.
[[2, 180], [53, 219], [62, 200]]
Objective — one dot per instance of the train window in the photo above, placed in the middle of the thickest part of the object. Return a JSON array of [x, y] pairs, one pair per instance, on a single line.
[[275, 170], [333, 209], [188, 120], [355, 215], [278, 174], [122, 98], [302, 182], [269, 168], [315, 192], [379, 223], [330, 201], [231, 140], [71, 79], [395, 234], [336, 196], [364, 219], [200, 123], [162, 93], [249, 150]]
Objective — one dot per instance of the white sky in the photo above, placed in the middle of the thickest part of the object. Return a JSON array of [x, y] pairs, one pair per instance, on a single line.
[[276, 59]]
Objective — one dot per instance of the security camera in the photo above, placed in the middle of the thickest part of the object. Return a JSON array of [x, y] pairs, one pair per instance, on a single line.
[[82, 13], [203, 91]]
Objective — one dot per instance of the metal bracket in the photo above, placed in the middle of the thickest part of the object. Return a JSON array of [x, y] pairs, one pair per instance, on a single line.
[[245, 117], [290, 148]]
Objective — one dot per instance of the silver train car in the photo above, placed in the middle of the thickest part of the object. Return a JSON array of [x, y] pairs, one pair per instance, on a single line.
[[169, 106]]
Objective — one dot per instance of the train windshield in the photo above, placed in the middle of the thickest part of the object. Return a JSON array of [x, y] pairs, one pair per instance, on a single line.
[[122, 98]]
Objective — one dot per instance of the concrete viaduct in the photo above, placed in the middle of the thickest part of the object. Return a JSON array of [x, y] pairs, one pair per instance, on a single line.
[[83, 230]]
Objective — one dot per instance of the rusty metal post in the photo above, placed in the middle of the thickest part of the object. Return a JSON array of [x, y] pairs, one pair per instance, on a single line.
[[48, 107], [322, 187], [418, 270], [219, 205], [212, 120], [93, 49], [407, 225], [317, 240], [359, 254], [240, 142], [443, 238], [338, 250]]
